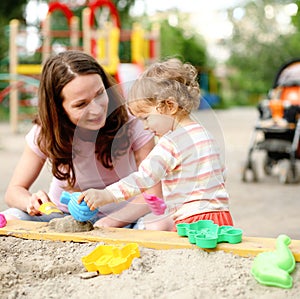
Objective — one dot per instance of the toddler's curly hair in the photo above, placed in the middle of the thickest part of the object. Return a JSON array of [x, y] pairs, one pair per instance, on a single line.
[[169, 79]]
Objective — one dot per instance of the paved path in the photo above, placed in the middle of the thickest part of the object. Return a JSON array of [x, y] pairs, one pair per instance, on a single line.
[[264, 209]]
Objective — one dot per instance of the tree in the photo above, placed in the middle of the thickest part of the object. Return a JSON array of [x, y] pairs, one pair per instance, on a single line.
[[123, 7], [8, 10], [260, 44], [175, 43]]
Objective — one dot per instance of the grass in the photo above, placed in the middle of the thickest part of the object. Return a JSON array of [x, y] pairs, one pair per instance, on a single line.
[[4, 113], [24, 112]]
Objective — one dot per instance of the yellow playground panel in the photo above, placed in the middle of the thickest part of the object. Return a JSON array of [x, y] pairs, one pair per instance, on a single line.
[[29, 69]]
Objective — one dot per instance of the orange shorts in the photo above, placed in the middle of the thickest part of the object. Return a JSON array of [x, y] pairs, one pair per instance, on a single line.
[[219, 217]]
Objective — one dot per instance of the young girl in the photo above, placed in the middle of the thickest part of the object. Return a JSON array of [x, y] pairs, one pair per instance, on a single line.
[[86, 134], [185, 159]]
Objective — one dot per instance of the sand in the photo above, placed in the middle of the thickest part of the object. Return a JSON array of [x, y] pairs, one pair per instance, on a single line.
[[48, 269], [69, 225]]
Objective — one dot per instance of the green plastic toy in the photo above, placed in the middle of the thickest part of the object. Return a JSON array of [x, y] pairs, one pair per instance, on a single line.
[[274, 268], [207, 234]]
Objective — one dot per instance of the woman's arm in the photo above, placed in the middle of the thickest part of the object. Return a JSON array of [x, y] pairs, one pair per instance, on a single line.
[[26, 172]]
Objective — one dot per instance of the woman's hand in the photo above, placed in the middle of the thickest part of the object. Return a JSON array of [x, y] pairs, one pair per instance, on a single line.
[[35, 201], [96, 198]]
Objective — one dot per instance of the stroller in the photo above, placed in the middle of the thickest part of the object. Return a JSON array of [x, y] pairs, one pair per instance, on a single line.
[[278, 128]]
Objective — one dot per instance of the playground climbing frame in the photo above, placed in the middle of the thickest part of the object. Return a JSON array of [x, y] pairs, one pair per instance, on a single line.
[[102, 43]]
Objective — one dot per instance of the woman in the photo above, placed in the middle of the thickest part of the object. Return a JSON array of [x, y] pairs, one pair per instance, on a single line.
[[85, 132]]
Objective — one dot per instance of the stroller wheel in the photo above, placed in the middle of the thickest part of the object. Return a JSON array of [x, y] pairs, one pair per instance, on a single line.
[[287, 173], [268, 165], [250, 173]]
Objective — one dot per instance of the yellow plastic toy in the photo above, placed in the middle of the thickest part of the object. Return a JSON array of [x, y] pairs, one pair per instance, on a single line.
[[107, 259], [48, 208]]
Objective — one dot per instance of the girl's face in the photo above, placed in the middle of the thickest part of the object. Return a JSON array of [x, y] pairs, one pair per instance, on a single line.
[[86, 101], [156, 122]]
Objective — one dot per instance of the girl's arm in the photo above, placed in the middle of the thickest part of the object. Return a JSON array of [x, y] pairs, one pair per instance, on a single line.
[[151, 170], [137, 207], [26, 172]]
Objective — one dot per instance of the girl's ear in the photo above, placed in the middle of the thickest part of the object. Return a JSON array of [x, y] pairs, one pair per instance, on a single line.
[[171, 106], [168, 106]]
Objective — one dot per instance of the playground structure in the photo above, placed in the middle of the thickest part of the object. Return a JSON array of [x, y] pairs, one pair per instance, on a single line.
[[100, 39]]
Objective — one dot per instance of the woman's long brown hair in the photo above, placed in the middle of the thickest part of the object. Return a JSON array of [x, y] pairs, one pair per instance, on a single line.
[[57, 131]]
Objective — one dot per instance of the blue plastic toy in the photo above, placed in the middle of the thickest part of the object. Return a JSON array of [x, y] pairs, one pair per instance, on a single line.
[[206, 234], [274, 268], [81, 212]]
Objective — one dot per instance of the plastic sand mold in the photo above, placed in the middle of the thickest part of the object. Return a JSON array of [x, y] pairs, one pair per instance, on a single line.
[[207, 234], [48, 208], [2, 220], [80, 212], [274, 268], [107, 259], [156, 204]]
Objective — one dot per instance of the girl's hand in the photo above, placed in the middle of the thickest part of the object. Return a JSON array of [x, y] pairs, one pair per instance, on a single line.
[[96, 198], [35, 201]]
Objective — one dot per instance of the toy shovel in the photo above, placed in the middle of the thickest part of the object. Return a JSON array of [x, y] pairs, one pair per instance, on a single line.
[[157, 205]]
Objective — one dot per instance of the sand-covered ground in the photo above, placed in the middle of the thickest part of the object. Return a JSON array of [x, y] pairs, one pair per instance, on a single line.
[[48, 269]]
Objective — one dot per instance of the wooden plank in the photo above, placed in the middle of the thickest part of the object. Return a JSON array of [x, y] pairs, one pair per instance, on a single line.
[[250, 246]]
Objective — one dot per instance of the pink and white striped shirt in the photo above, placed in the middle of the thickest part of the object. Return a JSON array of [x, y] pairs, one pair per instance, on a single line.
[[187, 162]]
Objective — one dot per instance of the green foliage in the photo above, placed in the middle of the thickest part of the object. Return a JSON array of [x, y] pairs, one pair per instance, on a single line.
[[12, 9], [171, 40], [175, 43], [123, 7], [258, 49], [296, 18], [194, 51], [8, 10], [4, 113]]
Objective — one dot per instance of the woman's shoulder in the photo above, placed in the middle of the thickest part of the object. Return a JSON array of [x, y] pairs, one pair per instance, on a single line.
[[31, 140], [134, 123], [132, 119], [33, 132]]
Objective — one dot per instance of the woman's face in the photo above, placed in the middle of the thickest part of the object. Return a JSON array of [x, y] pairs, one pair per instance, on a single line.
[[85, 101]]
